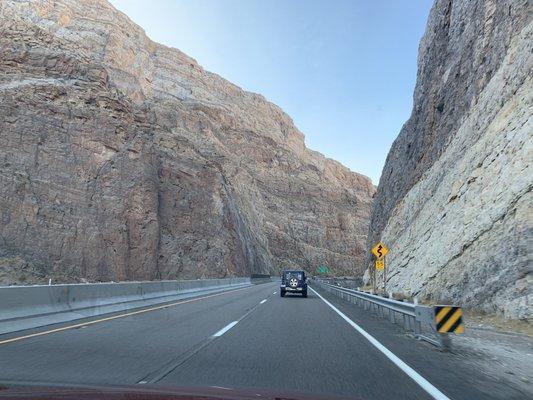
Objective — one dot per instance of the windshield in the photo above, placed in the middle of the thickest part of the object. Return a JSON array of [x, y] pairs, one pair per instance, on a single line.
[[266, 199]]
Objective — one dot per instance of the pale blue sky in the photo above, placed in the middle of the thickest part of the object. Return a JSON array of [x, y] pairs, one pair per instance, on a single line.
[[344, 70]]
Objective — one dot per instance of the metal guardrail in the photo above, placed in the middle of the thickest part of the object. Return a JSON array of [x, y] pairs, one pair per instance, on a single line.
[[418, 319]]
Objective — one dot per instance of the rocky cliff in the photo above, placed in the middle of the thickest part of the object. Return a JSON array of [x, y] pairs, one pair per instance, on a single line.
[[454, 199], [121, 158]]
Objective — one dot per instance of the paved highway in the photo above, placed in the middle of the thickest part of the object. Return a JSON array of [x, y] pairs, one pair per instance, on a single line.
[[249, 337]]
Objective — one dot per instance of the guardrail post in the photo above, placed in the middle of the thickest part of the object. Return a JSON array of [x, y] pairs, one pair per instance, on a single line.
[[418, 328], [445, 342]]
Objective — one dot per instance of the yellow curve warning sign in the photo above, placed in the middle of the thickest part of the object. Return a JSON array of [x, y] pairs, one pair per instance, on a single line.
[[380, 250]]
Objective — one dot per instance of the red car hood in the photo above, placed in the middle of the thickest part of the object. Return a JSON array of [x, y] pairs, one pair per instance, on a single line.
[[137, 392]]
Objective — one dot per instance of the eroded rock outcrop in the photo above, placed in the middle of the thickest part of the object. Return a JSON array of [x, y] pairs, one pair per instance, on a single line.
[[123, 159], [454, 201]]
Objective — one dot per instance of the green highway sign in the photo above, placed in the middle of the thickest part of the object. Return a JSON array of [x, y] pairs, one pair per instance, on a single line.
[[322, 269]]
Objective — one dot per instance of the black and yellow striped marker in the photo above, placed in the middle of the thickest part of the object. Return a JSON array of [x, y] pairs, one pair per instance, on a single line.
[[449, 319]]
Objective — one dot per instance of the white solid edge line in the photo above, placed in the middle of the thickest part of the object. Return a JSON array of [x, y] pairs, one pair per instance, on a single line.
[[263, 301], [422, 382], [225, 329]]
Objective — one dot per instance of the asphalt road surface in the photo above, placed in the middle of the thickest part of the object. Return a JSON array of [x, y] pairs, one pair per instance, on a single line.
[[247, 338]]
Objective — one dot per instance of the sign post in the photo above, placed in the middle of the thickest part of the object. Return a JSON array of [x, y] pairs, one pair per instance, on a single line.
[[380, 251], [384, 277], [448, 319], [373, 280]]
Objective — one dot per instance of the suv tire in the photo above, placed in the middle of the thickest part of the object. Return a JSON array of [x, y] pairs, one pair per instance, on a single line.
[[304, 293], [282, 293]]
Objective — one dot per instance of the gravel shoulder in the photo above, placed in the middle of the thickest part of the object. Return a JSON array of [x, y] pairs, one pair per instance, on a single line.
[[502, 349]]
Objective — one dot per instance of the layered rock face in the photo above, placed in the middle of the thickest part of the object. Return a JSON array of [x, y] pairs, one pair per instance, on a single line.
[[123, 159], [454, 201]]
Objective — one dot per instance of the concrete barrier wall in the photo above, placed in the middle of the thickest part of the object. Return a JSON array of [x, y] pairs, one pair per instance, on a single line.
[[257, 281], [30, 301]]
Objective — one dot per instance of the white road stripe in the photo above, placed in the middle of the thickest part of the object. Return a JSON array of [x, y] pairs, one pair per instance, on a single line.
[[225, 329], [263, 301], [422, 382], [274, 293]]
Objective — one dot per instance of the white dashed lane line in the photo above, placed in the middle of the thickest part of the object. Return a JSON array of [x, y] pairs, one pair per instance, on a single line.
[[232, 324], [225, 329]]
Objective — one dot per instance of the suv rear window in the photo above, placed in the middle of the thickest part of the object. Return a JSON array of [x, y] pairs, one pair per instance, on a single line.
[[298, 275]]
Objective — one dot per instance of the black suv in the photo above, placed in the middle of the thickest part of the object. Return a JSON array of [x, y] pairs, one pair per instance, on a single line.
[[293, 282]]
